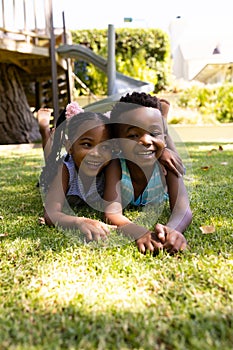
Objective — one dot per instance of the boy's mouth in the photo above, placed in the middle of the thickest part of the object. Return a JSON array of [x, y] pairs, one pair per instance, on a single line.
[[145, 153]]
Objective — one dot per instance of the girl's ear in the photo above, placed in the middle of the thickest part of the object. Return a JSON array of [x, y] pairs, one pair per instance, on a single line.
[[68, 146], [165, 107]]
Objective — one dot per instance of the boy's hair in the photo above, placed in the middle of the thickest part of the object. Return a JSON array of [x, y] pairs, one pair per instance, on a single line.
[[67, 129], [133, 101]]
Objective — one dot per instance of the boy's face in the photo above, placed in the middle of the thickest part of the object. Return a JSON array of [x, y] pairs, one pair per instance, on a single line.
[[142, 135], [92, 150]]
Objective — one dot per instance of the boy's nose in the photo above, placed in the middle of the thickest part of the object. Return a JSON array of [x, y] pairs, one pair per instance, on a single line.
[[145, 140]]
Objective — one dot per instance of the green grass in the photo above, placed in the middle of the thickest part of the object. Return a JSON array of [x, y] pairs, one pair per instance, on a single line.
[[58, 293]]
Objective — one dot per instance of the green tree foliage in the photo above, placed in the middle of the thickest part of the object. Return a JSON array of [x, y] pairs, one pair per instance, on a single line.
[[143, 54]]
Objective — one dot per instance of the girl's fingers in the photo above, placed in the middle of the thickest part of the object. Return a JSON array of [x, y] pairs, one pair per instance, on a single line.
[[88, 236]]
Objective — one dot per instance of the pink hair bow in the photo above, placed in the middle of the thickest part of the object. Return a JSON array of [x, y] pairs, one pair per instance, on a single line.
[[72, 109]]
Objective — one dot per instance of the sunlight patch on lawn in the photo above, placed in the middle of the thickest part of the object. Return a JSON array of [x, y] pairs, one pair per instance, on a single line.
[[65, 284]]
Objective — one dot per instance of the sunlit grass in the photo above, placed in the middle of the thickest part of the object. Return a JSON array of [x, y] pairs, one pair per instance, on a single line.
[[56, 292]]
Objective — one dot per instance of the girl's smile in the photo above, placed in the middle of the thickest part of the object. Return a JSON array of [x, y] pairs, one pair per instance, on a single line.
[[92, 151]]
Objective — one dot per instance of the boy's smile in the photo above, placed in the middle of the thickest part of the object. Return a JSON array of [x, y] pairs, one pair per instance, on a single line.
[[142, 135]]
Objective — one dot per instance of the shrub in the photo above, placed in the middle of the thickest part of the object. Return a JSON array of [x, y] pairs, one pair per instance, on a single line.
[[214, 100]]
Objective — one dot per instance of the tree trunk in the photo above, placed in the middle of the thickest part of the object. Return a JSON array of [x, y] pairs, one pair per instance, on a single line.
[[17, 123]]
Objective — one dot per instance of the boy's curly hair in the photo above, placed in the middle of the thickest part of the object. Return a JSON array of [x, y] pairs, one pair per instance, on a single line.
[[133, 101]]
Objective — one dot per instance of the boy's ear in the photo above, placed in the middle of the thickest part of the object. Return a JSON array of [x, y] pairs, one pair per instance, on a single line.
[[165, 107], [116, 147]]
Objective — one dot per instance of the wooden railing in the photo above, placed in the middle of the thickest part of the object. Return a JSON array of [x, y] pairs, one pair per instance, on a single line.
[[31, 22], [26, 20]]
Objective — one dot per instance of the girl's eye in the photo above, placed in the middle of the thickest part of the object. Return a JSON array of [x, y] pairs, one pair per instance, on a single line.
[[132, 136], [86, 144]]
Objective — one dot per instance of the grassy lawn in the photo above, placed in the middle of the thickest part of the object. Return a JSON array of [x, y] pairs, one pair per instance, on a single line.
[[58, 293]]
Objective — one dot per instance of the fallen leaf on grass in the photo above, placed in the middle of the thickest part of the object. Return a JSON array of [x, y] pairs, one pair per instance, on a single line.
[[211, 151], [3, 234], [207, 229], [220, 149], [206, 167], [41, 221]]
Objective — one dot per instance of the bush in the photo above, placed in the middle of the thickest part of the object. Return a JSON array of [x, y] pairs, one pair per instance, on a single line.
[[214, 100]]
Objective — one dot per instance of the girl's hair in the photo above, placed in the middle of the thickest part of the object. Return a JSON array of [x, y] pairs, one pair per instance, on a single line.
[[67, 129], [130, 102]]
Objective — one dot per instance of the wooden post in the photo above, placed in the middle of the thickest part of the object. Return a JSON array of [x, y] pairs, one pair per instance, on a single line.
[[68, 71], [53, 64]]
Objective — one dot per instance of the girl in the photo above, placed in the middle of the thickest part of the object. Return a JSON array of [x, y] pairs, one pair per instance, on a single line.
[[136, 177], [78, 177]]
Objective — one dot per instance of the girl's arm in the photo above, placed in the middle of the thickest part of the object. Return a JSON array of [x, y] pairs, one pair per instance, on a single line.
[[170, 158], [54, 203]]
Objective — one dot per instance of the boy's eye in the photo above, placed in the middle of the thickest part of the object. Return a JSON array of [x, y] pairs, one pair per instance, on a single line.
[[155, 133]]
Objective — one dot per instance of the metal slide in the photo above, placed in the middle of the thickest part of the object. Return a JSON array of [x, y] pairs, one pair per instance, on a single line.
[[124, 83]]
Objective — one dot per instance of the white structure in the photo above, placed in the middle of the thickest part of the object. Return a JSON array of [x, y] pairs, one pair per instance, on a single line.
[[198, 57]]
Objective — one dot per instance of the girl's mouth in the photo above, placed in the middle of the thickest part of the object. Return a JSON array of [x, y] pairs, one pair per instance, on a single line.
[[93, 165]]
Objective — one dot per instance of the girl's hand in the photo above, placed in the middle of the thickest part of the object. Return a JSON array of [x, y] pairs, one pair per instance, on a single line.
[[94, 229], [172, 162], [171, 240]]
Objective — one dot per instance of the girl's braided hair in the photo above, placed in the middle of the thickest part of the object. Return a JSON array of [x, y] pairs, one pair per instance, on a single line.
[[67, 130]]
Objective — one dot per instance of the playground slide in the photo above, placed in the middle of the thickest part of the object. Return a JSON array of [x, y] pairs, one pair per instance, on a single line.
[[123, 84]]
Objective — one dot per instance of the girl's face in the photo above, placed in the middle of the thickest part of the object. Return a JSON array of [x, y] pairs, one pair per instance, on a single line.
[[92, 150], [141, 135]]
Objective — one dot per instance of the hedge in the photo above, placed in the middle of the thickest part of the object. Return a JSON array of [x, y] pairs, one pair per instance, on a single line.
[[143, 54]]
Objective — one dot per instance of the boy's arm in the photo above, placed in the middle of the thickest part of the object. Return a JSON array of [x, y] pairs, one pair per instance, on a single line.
[[181, 215], [144, 238]]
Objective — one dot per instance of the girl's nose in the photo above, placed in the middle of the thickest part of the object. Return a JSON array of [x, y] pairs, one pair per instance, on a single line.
[[95, 151]]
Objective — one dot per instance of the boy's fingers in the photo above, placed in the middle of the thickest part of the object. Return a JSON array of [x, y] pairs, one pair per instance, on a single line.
[[161, 233], [141, 248], [161, 237]]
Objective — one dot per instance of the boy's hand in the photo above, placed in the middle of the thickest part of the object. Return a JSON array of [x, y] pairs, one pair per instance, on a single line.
[[171, 240], [149, 242]]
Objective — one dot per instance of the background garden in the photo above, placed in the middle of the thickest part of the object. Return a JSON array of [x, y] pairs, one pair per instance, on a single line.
[[145, 54]]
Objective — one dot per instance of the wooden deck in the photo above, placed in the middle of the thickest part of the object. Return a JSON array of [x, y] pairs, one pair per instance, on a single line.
[[34, 53]]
